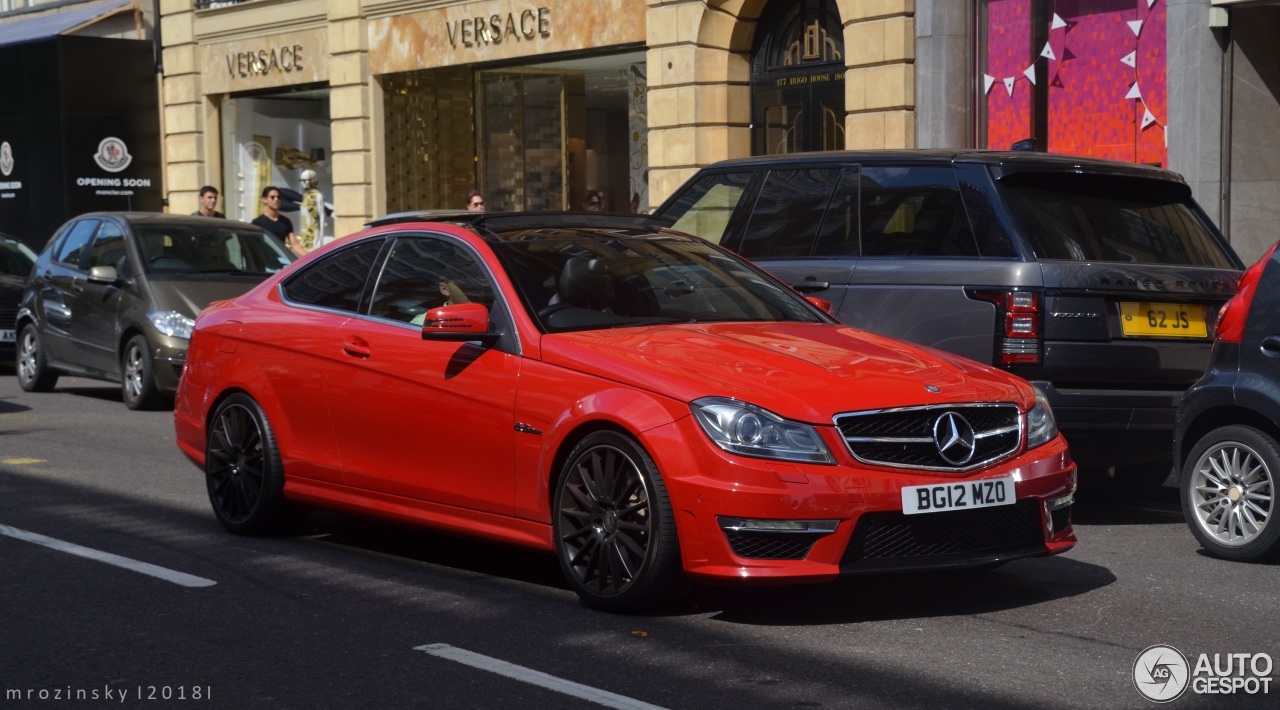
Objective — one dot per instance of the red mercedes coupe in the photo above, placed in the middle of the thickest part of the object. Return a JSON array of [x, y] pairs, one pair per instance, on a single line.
[[649, 407]]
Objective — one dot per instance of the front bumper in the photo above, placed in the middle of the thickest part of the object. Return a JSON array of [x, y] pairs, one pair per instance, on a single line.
[[168, 357], [712, 492]]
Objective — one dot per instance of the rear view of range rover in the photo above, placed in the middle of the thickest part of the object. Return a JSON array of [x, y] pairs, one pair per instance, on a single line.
[[1098, 281]]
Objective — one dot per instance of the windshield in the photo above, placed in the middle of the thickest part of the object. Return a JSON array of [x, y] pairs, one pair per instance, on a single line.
[[588, 282], [1081, 217], [221, 250], [15, 258]]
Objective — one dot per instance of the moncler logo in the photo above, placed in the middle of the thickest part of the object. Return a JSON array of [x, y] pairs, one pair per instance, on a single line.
[[6, 159], [112, 156]]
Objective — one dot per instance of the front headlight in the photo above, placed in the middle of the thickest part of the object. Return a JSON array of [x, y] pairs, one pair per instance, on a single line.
[[1041, 426], [172, 323], [741, 428]]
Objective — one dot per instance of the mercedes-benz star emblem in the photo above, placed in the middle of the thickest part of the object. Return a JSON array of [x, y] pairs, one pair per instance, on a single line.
[[954, 437]]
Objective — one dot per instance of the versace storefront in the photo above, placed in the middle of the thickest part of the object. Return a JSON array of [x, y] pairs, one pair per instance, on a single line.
[[575, 104]]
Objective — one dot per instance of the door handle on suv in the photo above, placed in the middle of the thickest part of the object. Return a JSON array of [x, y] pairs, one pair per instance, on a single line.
[[1271, 346], [77, 285], [809, 285]]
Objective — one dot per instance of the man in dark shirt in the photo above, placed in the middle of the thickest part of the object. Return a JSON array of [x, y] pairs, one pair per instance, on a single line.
[[276, 223], [208, 201]]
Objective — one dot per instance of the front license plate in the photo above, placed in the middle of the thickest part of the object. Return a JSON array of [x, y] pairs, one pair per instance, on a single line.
[[1162, 320], [937, 498], [6, 336]]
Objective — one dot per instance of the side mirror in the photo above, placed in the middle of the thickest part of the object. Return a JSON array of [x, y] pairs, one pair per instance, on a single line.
[[822, 304], [103, 274], [461, 322]]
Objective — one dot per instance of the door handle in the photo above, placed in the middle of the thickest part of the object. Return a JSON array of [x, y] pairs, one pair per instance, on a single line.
[[1271, 346], [77, 285], [360, 350], [810, 285]]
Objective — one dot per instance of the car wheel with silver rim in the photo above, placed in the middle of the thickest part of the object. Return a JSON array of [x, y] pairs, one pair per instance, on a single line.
[[34, 374], [615, 534], [138, 381], [1228, 493]]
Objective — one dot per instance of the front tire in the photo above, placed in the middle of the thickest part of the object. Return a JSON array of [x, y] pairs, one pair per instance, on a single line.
[[138, 378], [614, 530], [34, 374], [1228, 493], [243, 470]]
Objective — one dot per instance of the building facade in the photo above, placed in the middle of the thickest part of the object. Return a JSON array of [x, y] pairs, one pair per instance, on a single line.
[[545, 104]]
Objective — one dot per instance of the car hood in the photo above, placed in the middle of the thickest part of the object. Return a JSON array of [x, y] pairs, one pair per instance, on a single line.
[[803, 371], [191, 294]]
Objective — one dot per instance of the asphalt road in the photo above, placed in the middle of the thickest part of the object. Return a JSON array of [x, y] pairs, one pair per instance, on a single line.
[[356, 614]]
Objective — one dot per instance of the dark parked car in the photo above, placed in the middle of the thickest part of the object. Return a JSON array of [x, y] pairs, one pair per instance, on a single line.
[[1228, 440], [15, 264], [1096, 280], [114, 297]]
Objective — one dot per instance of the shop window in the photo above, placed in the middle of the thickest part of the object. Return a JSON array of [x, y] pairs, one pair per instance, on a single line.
[[1083, 77], [272, 140]]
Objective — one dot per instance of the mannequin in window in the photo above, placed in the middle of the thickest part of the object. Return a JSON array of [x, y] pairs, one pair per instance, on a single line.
[[312, 211]]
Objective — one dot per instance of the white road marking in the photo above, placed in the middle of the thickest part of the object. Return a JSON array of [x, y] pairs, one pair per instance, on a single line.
[[146, 568], [538, 678]]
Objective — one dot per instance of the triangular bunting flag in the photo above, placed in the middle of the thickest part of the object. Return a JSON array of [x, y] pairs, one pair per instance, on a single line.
[[1059, 22], [1147, 118], [1131, 59], [1008, 84], [1136, 26], [988, 80], [1047, 52], [1134, 93], [1057, 81], [1030, 73], [1150, 3]]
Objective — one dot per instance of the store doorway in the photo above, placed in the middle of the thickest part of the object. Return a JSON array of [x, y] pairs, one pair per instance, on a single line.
[[797, 79]]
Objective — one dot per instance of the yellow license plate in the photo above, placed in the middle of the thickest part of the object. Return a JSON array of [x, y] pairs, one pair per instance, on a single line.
[[1163, 320]]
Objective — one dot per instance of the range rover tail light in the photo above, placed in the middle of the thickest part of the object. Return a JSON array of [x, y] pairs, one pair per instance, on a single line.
[[1231, 317], [1020, 311]]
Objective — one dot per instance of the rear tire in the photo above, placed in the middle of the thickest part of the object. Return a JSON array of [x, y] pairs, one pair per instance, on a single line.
[[34, 374], [243, 471], [138, 378], [1229, 493], [614, 530]]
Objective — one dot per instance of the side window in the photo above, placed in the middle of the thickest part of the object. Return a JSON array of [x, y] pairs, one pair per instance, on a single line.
[[839, 234], [705, 207], [336, 281], [72, 248], [914, 211], [785, 219], [424, 273], [108, 248]]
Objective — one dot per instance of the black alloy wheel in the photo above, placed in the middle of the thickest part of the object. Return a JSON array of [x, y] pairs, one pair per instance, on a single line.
[[243, 469], [614, 530], [34, 374]]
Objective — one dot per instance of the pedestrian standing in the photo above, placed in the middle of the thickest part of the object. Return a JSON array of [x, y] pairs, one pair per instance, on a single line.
[[276, 223], [208, 201], [475, 202]]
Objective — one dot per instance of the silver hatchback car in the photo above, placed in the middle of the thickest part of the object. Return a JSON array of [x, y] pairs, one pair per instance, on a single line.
[[114, 296]]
